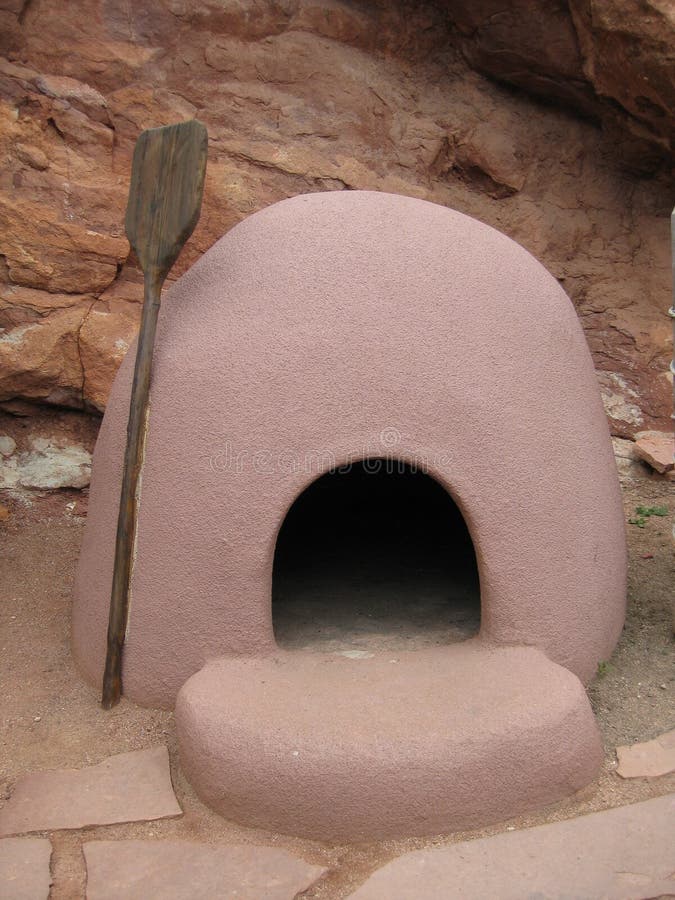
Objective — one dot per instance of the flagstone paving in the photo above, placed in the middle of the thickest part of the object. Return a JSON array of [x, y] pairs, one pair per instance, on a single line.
[[183, 870], [626, 853], [129, 787], [24, 868]]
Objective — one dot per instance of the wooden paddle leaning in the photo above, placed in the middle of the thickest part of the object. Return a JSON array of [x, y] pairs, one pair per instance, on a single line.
[[165, 196]]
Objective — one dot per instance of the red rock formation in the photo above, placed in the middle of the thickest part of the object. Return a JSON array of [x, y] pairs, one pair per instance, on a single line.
[[583, 53], [563, 141]]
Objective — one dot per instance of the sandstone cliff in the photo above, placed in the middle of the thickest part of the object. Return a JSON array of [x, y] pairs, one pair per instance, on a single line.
[[552, 121]]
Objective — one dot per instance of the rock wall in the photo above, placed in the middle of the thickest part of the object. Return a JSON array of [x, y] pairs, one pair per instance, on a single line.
[[550, 120]]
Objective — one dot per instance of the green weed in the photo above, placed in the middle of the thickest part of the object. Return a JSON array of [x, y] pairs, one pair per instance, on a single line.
[[642, 513], [651, 510]]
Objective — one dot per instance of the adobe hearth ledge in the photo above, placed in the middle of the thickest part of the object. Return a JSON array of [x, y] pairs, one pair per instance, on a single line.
[[323, 323], [414, 743]]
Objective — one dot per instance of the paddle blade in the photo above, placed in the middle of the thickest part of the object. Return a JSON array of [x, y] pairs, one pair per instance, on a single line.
[[165, 195]]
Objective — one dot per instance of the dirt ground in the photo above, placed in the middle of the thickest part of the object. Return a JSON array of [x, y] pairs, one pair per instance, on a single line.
[[50, 718]]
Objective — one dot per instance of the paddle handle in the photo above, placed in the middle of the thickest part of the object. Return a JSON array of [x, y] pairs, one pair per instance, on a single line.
[[128, 511]]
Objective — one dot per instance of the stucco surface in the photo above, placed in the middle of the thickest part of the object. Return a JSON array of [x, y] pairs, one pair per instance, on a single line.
[[347, 325], [411, 743]]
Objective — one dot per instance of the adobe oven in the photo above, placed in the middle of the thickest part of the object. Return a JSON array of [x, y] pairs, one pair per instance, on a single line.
[[380, 543]]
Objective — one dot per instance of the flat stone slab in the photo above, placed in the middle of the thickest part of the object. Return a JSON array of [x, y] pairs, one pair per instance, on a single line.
[[627, 853], [129, 787], [183, 870], [649, 759], [656, 448], [24, 868]]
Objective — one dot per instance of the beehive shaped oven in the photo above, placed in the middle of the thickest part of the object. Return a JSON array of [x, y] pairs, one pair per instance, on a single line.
[[380, 544]]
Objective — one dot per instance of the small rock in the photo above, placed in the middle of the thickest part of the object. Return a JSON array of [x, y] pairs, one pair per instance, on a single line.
[[4, 513], [649, 759], [656, 449]]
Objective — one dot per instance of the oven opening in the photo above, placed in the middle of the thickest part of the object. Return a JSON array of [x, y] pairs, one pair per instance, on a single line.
[[375, 556]]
